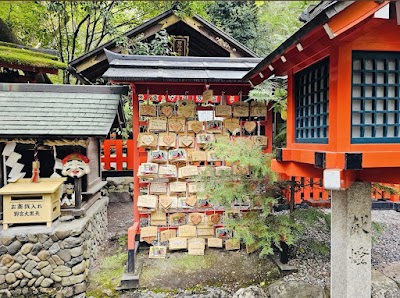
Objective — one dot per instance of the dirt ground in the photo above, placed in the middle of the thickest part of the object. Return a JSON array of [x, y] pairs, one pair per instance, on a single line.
[[217, 268]]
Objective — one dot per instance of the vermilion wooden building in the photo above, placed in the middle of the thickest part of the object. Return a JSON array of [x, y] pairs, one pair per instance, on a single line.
[[343, 93], [343, 124]]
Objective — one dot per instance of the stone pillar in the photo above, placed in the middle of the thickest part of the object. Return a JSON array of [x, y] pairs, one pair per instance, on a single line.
[[351, 242]]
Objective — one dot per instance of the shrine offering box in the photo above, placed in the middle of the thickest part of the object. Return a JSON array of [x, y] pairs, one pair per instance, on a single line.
[[27, 202]]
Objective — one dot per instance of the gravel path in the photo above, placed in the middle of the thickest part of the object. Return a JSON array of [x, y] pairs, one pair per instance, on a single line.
[[314, 267]]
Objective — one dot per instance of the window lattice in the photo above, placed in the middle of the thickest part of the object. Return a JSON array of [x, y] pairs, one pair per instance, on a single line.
[[311, 96], [375, 97]]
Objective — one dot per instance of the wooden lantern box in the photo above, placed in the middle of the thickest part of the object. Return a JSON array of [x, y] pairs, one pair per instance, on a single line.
[[27, 202]]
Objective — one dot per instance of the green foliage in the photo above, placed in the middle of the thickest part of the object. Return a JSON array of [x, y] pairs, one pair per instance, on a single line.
[[377, 229], [237, 18], [385, 188], [109, 275], [251, 182], [160, 45], [277, 20]]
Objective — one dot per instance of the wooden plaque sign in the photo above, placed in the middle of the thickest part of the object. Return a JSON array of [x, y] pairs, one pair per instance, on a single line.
[[214, 126], [167, 139], [196, 246], [165, 202], [258, 109], [167, 171], [148, 170], [211, 157], [157, 252], [197, 242], [223, 111], [167, 234], [148, 232], [259, 140], [191, 200], [198, 155], [177, 186], [213, 219], [187, 231], [177, 155], [147, 110], [157, 156], [208, 95], [158, 187], [186, 140], [176, 124], [214, 242], [240, 109], [250, 126], [251, 248], [232, 124], [158, 218], [147, 201], [177, 243], [147, 140], [193, 187], [188, 171], [167, 109], [205, 138], [232, 244], [177, 219], [186, 109], [157, 124], [196, 218], [205, 231], [195, 126]]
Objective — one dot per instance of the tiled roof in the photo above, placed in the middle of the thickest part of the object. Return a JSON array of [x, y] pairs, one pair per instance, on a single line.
[[177, 68], [57, 110]]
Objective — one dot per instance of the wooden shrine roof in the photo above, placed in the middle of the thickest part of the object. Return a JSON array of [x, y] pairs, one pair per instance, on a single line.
[[34, 110], [205, 40], [25, 58], [138, 68]]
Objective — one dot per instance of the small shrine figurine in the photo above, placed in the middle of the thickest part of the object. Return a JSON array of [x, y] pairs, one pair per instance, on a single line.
[[68, 197], [75, 165]]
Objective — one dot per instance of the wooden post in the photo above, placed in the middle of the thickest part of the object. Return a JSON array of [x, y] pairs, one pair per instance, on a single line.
[[78, 193], [292, 191]]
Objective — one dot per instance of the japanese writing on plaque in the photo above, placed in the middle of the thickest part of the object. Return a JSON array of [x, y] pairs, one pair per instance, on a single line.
[[359, 225], [26, 210], [359, 256]]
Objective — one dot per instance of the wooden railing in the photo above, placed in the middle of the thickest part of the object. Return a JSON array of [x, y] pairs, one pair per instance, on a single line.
[[118, 155]]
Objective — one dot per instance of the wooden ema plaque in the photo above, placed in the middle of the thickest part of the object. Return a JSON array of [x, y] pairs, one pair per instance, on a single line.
[[157, 124], [167, 234], [148, 234], [177, 243], [187, 231], [158, 187], [205, 231], [196, 246], [147, 201], [188, 171], [195, 218], [177, 219], [157, 252], [214, 242], [158, 218], [232, 244], [147, 140], [177, 186]]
